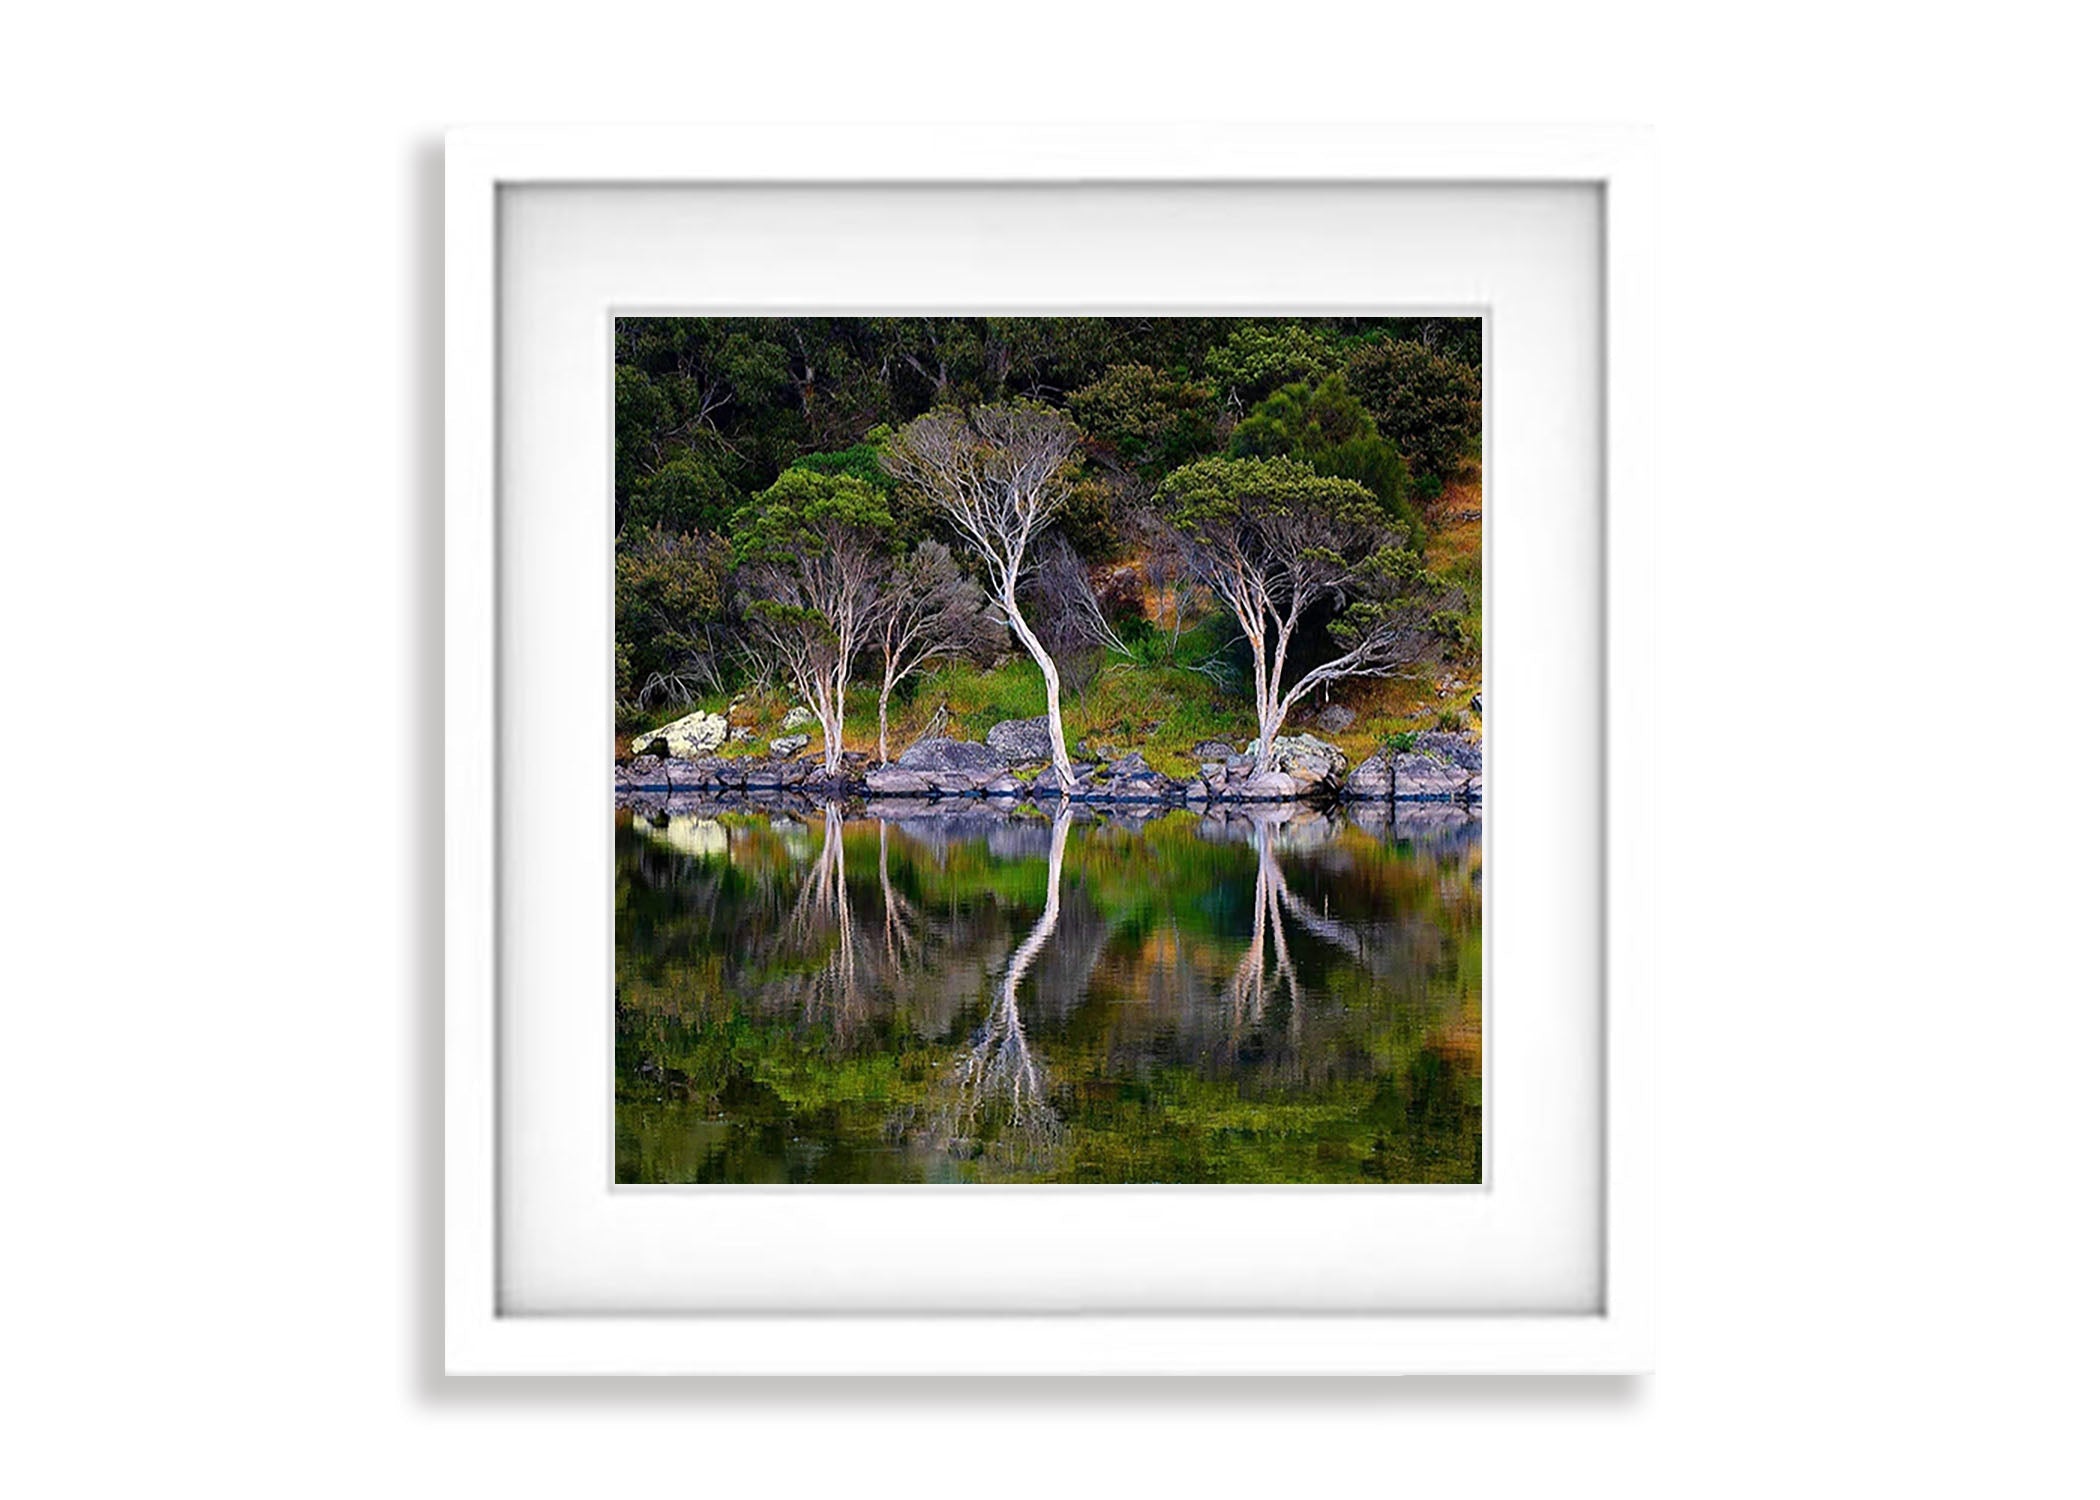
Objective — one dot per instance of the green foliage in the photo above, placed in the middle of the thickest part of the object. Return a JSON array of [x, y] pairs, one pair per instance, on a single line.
[[681, 385], [669, 598], [805, 512], [684, 494], [1388, 579], [1427, 404], [1260, 356], [1153, 422], [1225, 491], [912, 515], [1326, 427], [862, 461]]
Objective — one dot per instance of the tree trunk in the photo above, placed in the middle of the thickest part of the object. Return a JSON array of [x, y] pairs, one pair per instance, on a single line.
[[831, 718], [1059, 760], [882, 726], [1270, 723]]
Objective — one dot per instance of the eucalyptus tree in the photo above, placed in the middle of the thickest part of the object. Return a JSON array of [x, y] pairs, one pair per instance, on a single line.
[[1278, 544], [813, 551], [1000, 475]]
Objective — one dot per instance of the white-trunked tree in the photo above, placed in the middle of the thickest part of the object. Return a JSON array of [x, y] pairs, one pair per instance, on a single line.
[[812, 552], [1277, 544], [1000, 475]]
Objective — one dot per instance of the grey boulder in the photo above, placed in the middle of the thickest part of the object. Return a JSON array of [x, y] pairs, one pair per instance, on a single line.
[[951, 755], [1021, 740]]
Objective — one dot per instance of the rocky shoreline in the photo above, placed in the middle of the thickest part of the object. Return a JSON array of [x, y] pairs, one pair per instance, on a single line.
[[1431, 767]]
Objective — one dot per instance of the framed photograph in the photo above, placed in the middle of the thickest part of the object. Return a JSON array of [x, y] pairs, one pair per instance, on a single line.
[[1046, 743]]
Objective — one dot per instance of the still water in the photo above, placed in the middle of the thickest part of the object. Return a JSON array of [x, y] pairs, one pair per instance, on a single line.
[[954, 993]]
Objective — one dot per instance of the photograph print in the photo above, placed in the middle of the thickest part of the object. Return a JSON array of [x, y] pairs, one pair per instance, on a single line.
[[1047, 750]]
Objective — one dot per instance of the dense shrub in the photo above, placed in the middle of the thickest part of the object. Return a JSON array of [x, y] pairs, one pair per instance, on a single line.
[[1426, 405]]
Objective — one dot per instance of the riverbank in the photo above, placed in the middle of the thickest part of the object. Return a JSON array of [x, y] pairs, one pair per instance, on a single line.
[[1432, 767]]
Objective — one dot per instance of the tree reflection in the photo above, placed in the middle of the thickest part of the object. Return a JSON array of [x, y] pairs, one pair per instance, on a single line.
[[1250, 989], [1248, 992], [999, 1107], [822, 918]]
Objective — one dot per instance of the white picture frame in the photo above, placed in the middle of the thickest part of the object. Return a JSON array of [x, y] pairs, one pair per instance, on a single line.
[[479, 1337]]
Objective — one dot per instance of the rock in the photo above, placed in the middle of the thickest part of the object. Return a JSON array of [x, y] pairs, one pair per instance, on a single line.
[[687, 775], [1334, 718], [1019, 740], [1454, 749], [1425, 778], [951, 755], [787, 745], [741, 736], [1002, 786], [642, 772], [797, 717], [724, 773], [1210, 750], [1436, 767], [1267, 786], [1046, 784], [1374, 778], [1308, 758], [1151, 787], [689, 738], [1132, 764], [896, 781]]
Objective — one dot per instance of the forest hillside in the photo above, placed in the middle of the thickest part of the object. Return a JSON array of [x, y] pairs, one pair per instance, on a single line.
[[796, 544]]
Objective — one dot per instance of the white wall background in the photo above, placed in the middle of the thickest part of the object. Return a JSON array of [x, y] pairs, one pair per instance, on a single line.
[[219, 605]]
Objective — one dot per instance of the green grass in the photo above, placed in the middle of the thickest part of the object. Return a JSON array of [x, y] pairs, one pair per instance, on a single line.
[[1121, 705]]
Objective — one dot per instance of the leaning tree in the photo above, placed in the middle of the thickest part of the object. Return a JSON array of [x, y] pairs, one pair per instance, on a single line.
[[1000, 475], [1279, 545], [812, 552]]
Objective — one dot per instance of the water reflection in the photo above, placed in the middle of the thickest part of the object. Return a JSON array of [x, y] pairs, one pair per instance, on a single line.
[[999, 1100], [931, 992]]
